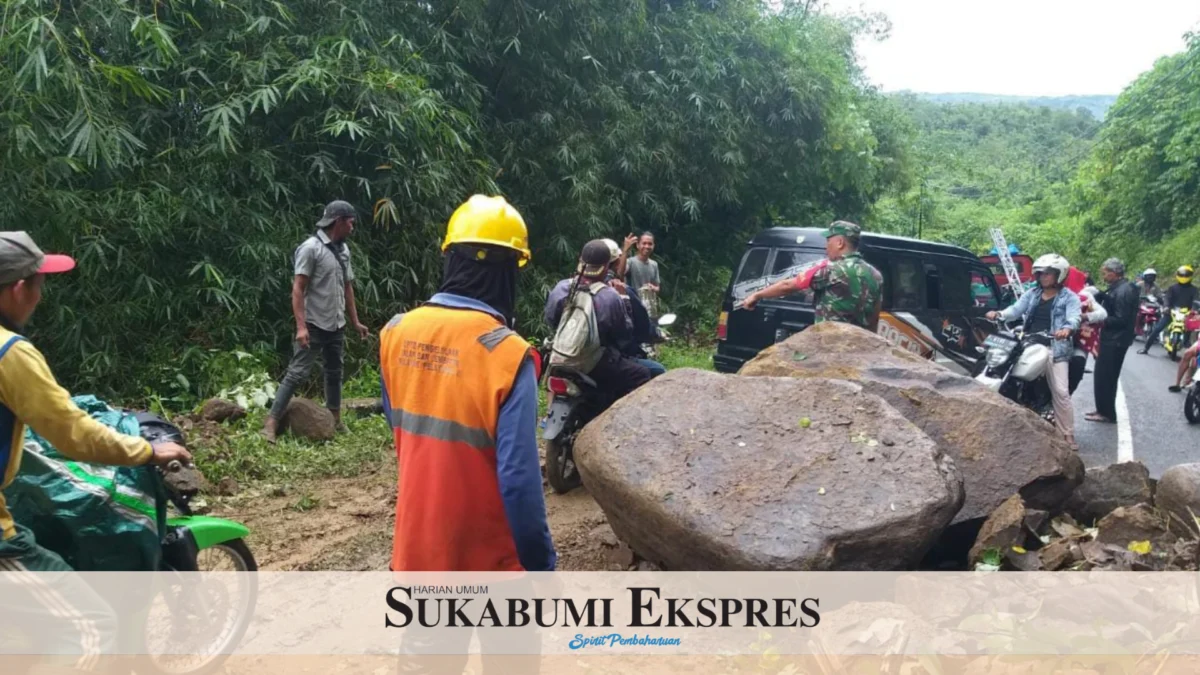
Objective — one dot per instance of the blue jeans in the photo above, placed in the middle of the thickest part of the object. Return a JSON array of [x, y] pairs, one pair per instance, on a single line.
[[654, 367]]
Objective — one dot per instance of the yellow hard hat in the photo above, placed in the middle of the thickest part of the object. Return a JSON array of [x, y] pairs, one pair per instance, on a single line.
[[488, 220]]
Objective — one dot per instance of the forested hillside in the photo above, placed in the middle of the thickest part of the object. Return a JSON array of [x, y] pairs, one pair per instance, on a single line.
[[182, 149], [977, 166], [1138, 193], [1097, 105]]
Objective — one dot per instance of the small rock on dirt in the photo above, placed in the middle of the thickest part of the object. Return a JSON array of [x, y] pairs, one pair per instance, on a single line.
[[363, 406], [220, 410], [620, 555], [1002, 530], [604, 534], [1037, 523], [305, 419], [1130, 524], [186, 481], [1178, 497], [1060, 554], [227, 486], [1106, 488]]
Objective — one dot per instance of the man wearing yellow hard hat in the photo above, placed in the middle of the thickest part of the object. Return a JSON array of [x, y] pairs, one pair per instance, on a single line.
[[461, 396]]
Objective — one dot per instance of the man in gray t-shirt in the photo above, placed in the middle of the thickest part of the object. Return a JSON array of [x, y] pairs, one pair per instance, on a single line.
[[322, 297], [642, 274]]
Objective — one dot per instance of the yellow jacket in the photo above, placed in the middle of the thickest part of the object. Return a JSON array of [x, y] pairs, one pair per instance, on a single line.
[[29, 394]]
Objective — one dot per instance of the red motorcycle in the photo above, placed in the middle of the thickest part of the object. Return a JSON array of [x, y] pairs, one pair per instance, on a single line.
[[1149, 312]]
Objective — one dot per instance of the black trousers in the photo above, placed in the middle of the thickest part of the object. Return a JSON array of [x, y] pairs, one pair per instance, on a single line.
[[1075, 370], [1106, 377]]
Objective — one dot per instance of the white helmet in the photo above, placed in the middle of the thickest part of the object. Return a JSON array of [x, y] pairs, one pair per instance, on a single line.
[[1052, 261], [614, 250]]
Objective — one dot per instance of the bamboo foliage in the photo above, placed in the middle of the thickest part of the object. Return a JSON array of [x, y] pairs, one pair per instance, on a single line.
[[181, 149]]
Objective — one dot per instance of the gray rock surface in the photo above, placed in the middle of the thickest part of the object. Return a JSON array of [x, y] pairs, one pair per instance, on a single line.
[[700, 471]]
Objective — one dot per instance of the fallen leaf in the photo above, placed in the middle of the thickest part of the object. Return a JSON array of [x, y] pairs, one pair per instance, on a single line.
[[798, 357], [1018, 549], [821, 491], [872, 443], [1140, 547]]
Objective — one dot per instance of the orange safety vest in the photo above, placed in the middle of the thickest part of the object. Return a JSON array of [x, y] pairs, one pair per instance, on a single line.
[[447, 373]]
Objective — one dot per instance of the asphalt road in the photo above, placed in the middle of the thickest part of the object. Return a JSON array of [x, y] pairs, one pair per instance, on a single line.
[[1155, 431]]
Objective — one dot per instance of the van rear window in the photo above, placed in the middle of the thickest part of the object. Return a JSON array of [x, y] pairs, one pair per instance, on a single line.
[[754, 265]]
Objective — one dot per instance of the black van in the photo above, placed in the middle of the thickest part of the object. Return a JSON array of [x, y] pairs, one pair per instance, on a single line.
[[932, 295]]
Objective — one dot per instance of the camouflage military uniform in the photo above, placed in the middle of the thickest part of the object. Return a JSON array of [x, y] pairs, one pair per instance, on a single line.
[[847, 290]]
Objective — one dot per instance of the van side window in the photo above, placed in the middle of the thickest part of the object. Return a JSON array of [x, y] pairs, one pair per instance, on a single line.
[[754, 265], [983, 296], [906, 284], [933, 287], [956, 287]]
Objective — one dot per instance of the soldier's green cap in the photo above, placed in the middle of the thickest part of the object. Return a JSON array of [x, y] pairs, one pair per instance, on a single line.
[[842, 228]]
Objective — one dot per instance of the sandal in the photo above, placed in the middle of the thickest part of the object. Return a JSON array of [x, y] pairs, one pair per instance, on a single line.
[[1097, 417]]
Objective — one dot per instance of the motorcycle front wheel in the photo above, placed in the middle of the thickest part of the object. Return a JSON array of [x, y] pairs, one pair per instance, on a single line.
[[210, 614], [1191, 405]]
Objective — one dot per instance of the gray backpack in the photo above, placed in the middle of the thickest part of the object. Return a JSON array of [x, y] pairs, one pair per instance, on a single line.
[[577, 341]]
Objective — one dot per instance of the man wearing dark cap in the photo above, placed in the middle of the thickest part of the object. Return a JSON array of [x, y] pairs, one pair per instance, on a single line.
[[614, 373], [847, 288], [322, 296], [82, 622]]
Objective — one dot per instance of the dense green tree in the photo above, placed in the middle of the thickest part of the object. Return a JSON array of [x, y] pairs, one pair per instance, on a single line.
[[182, 149]]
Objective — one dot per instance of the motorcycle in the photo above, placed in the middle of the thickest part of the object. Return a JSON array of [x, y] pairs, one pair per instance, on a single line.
[[180, 623], [1149, 312], [1191, 404], [575, 400], [1015, 366], [1176, 338]]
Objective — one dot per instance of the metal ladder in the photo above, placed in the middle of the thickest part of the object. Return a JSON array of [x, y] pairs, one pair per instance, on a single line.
[[1010, 268]]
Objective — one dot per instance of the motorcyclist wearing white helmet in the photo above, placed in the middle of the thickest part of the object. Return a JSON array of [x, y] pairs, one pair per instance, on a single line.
[[1055, 309], [1147, 284]]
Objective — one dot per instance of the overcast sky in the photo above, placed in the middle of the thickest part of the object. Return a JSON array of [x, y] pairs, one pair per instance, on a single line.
[[1022, 47]]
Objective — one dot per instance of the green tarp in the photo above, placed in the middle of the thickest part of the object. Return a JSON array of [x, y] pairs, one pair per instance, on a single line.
[[97, 517]]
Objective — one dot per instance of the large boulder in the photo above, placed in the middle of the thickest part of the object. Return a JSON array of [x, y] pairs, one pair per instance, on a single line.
[[305, 419], [1178, 497], [1000, 448], [1106, 488], [700, 471]]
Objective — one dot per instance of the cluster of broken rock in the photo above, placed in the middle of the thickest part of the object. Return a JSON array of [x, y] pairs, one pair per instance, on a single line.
[[833, 450]]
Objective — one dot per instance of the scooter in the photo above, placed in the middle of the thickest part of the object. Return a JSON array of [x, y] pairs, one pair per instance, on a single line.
[[575, 401], [1176, 337], [1191, 404], [1149, 312], [1015, 367]]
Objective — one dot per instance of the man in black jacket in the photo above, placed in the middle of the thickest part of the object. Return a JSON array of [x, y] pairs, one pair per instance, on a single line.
[[1121, 303], [1179, 296]]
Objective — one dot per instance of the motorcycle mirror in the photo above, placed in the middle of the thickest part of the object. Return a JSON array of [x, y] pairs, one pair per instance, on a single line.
[[666, 319]]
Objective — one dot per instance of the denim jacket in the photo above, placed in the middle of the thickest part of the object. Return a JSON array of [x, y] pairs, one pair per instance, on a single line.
[[1065, 313]]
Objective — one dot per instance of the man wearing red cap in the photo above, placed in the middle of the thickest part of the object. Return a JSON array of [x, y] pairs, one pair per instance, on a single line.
[[29, 395]]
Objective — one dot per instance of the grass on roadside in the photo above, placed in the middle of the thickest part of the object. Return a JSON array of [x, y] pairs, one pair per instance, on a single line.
[[238, 451], [675, 355]]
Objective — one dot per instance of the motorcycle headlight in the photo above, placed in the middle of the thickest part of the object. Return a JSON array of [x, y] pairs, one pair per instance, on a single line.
[[997, 357]]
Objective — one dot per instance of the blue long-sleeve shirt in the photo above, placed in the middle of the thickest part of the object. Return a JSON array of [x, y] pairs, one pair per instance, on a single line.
[[517, 467]]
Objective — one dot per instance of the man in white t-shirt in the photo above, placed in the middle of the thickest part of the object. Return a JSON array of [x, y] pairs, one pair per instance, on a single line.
[[642, 274]]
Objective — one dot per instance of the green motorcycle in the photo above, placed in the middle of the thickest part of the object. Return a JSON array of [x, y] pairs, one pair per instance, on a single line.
[[105, 519]]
